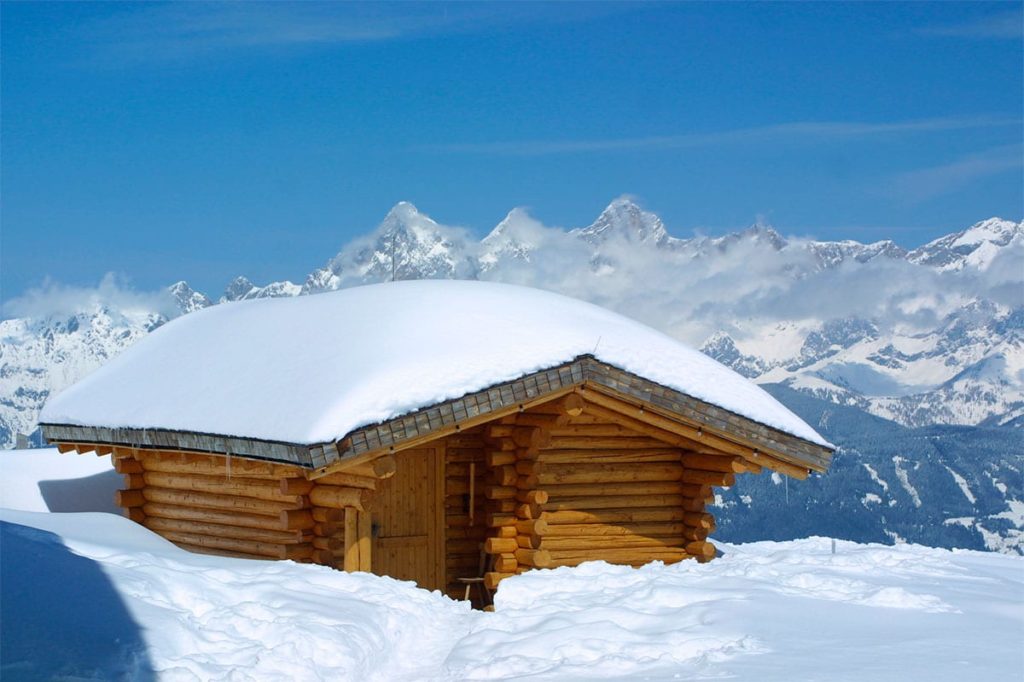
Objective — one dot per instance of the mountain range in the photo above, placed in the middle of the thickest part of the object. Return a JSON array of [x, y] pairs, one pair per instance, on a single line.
[[920, 338]]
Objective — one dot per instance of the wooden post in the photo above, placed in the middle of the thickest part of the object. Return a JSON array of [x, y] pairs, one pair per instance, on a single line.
[[364, 532]]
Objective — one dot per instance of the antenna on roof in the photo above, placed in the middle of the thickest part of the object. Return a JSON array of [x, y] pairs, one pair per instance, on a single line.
[[596, 345]]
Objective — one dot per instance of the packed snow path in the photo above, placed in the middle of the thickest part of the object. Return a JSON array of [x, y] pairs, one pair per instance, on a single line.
[[95, 596]]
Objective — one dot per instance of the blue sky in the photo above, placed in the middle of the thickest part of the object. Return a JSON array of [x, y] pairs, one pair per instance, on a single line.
[[201, 141]]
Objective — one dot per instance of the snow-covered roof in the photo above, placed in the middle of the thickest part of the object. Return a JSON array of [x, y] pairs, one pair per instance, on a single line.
[[312, 369]]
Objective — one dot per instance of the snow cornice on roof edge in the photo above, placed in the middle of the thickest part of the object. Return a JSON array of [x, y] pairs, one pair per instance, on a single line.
[[490, 403]]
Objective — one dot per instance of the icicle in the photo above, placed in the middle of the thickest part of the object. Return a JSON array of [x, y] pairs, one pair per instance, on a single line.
[[228, 449]]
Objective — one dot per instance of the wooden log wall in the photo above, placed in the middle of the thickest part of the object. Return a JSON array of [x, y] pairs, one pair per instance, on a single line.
[[624, 495], [250, 509]]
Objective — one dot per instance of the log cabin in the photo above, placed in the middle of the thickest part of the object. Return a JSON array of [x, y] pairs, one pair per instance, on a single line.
[[449, 433]]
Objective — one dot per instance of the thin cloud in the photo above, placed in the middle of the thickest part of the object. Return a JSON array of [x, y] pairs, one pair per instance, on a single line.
[[926, 183], [1005, 25], [188, 30], [821, 130]]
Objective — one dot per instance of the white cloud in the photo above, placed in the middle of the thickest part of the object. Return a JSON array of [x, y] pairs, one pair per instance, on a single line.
[[53, 299], [923, 184], [820, 130]]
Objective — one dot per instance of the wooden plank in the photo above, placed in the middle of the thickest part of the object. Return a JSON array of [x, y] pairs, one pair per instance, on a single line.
[[364, 529], [351, 561]]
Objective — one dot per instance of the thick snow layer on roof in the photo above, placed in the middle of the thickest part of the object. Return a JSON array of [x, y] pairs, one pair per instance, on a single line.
[[311, 369]]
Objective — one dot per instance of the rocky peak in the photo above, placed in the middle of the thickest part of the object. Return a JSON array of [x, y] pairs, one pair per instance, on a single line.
[[188, 299], [239, 289], [625, 220]]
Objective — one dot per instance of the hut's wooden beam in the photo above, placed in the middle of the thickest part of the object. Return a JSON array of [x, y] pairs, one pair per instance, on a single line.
[[695, 433]]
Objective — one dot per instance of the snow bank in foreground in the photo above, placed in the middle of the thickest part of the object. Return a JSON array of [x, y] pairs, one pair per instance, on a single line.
[[44, 480], [312, 369], [98, 596]]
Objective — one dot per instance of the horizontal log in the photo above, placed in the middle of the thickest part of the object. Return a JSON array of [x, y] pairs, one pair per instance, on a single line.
[[532, 496], [499, 430], [213, 551], [585, 502], [619, 443], [326, 530], [699, 519], [538, 558], [528, 511], [348, 480], [505, 563], [638, 489], [696, 503], [300, 519], [135, 514], [635, 556], [499, 492], [263, 549], [128, 465], [493, 579], [500, 545], [338, 497], [528, 482], [693, 533], [502, 444], [504, 475], [528, 467], [327, 515], [129, 498], [532, 527], [189, 498], [544, 421], [530, 437], [498, 519], [242, 487], [614, 516], [621, 529], [505, 532], [607, 429], [295, 486], [609, 473], [700, 549], [134, 481], [501, 506], [330, 544], [595, 542], [213, 465], [281, 537], [530, 541], [499, 458], [574, 456], [712, 478], [725, 463], [223, 517]]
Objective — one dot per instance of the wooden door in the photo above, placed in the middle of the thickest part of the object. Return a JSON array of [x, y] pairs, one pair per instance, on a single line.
[[408, 519]]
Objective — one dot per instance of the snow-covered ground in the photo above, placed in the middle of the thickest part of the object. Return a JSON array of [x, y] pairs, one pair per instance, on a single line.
[[94, 596]]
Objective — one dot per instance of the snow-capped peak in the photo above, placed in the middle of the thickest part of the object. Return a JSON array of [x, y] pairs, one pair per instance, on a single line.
[[624, 220], [955, 251], [186, 298], [238, 289]]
